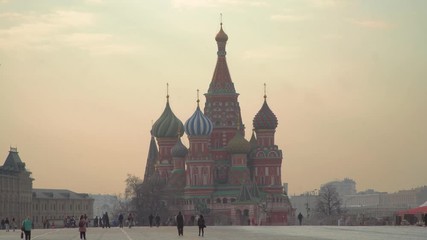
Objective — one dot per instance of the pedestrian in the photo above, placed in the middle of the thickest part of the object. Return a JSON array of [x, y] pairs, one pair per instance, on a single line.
[[157, 220], [130, 220], [180, 224], [202, 225], [82, 227], [150, 219], [106, 220], [13, 224], [300, 218], [6, 224], [26, 228], [121, 220], [425, 219]]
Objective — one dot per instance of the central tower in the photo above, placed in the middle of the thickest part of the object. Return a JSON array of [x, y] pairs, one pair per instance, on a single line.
[[222, 107]]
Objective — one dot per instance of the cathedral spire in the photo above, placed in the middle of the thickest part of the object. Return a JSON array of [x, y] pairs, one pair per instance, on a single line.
[[151, 159], [221, 81]]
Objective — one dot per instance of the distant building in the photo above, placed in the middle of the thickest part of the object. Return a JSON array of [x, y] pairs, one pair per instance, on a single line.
[[18, 199], [406, 198], [367, 207], [306, 205], [55, 205], [104, 203], [344, 187]]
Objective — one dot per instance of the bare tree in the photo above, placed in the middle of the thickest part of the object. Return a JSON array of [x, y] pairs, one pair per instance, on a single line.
[[328, 201], [132, 183]]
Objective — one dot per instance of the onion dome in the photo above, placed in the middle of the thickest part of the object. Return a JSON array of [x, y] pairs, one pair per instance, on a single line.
[[221, 36], [198, 124], [265, 118], [238, 144], [168, 124], [179, 150]]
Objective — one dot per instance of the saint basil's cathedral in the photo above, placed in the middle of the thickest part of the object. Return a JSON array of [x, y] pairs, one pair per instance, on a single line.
[[221, 174]]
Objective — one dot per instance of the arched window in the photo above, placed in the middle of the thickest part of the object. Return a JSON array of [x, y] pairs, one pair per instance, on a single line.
[[272, 154]]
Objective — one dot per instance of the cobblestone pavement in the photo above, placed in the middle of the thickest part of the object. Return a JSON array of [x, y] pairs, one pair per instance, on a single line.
[[231, 233]]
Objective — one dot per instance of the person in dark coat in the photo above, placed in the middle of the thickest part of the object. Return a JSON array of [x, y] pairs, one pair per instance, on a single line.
[[157, 220], [425, 219], [150, 219], [180, 224], [121, 218], [202, 225], [106, 221], [300, 218]]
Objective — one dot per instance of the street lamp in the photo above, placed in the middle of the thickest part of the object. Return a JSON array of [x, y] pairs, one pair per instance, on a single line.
[[307, 205]]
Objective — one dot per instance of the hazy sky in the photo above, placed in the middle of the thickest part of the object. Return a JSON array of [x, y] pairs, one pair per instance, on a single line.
[[82, 81]]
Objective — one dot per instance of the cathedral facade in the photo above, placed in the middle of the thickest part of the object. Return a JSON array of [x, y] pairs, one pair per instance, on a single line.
[[221, 175]]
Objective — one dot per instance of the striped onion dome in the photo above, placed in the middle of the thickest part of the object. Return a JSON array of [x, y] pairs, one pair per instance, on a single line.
[[198, 124], [167, 125], [265, 118], [179, 150], [238, 144]]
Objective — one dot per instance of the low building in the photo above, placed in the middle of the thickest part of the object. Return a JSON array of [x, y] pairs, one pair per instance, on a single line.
[[50, 207]]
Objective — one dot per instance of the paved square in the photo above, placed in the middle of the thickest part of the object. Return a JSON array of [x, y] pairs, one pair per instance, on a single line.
[[232, 233]]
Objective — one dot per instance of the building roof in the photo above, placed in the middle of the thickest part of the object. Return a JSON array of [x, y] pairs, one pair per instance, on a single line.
[[168, 124], [221, 36], [198, 124], [253, 141], [153, 154], [265, 118], [238, 144], [179, 150], [58, 194], [13, 162], [244, 195]]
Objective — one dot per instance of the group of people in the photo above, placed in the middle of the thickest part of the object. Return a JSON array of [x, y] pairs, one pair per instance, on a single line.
[[27, 225], [129, 220], [151, 218], [7, 224], [180, 224]]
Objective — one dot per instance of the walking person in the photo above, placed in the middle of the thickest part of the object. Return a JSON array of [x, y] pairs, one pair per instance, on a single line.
[[150, 219], [26, 228], [130, 220], [300, 218], [106, 220], [121, 220], [425, 219], [82, 227], [180, 224], [202, 225], [13, 224], [6, 224], [157, 220]]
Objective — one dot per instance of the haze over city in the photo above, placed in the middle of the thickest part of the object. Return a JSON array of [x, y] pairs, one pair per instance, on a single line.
[[81, 83]]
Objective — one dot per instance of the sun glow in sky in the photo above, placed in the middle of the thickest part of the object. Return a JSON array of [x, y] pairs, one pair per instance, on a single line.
[[81, 82]]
